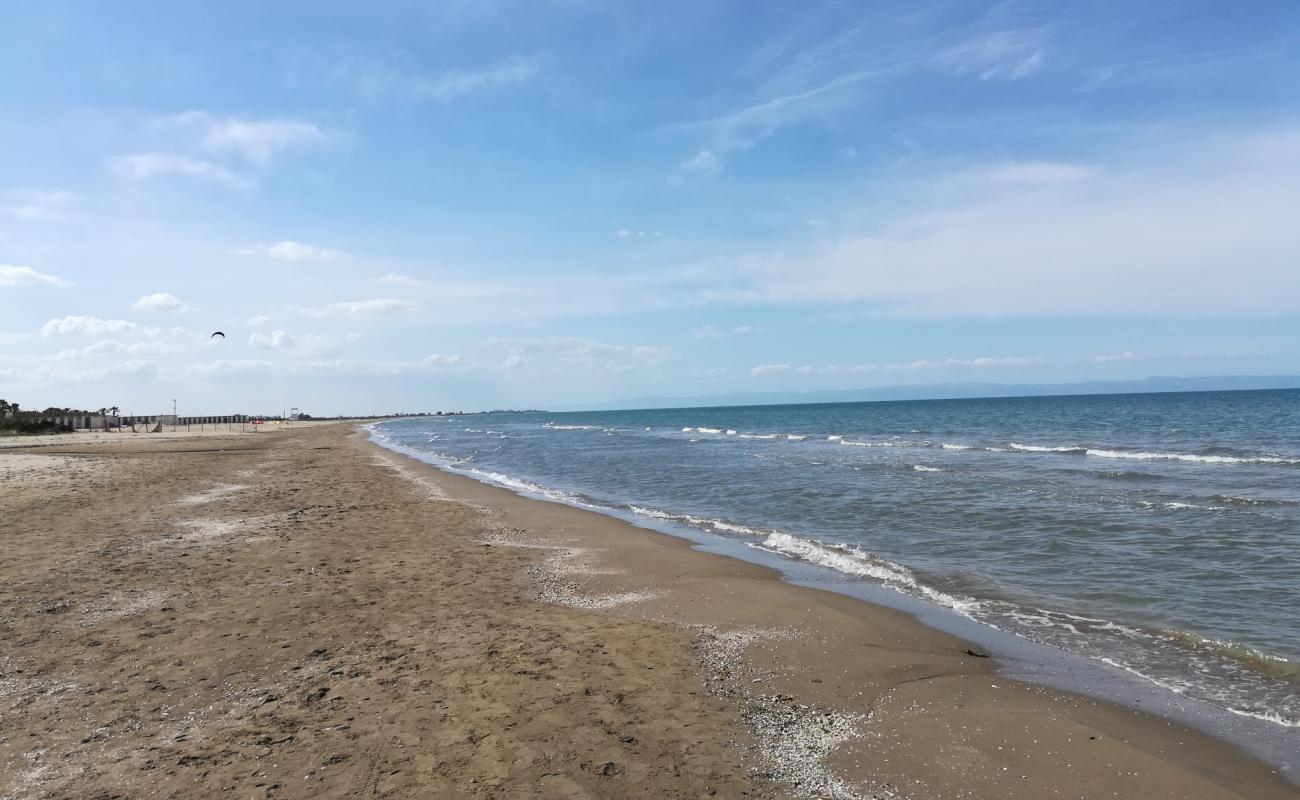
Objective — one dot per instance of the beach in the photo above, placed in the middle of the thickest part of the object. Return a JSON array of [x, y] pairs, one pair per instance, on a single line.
[[302, 613]]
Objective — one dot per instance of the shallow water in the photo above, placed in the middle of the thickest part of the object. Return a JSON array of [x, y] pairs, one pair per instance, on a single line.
[[1157, 533]]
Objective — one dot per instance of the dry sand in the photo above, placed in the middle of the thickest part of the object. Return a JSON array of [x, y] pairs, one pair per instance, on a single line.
[[305, 615]]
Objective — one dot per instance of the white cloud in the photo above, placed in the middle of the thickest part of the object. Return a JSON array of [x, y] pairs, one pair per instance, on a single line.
[[311, 344], [257, 140], [433, 363], [149, 166], [257, 322], [229, 368], [1203, 228], [159, 301], [113, 347], [134, 370], [26, 374], [624, 233], [26, 276], [89, 326], [513, 361], [362, 309], [275, 340], [291, 251], [400, 280]]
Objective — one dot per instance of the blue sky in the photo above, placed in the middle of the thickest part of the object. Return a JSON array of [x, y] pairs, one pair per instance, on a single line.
[[469, 204]]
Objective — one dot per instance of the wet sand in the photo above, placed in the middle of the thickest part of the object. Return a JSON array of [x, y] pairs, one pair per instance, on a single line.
[[304, 614]]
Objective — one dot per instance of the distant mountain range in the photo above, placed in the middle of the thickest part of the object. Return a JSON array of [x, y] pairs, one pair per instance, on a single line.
[[951, 391]]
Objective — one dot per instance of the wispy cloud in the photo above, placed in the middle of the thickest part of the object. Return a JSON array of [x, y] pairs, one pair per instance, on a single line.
[[1108, 358], [904, 366], [230, 368], [363, 309], [151, 166], [715, 331], [1007, 55], [11, 275], [400, 75], [291, 251], [744, 127], [1154, 238], [590, 354], [32, 204], [433, 363], [256, 140], [1029, 172], [451, 85], [399, 280]]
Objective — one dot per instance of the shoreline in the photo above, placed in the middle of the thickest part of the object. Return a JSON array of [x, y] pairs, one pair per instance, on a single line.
[[1161, 719], [1018, 657]]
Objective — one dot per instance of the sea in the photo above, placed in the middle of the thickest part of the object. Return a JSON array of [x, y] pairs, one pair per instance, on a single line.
[[1157, 535]]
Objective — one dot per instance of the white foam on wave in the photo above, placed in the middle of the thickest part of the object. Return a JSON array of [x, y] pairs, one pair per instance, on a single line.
[[709, 430], [1188, 457], [1139, 455], [556, 427], [730, 432], [1176, 506], [947, 446], [520, 485], [841, 558], [923, 468], [759, 435], [796, 437], [1266, 716], [834, 438], [705, 523], [1035, 448]]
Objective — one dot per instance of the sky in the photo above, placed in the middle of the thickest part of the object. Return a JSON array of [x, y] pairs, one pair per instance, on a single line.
[[405, 206]]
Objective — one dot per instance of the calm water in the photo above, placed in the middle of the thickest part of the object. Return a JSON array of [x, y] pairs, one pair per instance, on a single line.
[[1159, 532]]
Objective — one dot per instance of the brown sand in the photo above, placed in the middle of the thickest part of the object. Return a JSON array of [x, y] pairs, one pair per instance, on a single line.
[[281, 616]]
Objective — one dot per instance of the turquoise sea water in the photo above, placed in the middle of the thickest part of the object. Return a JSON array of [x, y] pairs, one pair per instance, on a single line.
[[1158, 533]]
